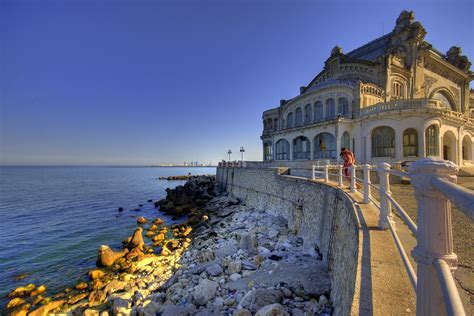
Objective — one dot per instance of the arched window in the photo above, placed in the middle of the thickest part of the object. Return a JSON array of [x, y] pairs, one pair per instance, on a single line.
[[330, 109], [308, 114], [432, 141], [289, 120], [270, 124], [318, 111], [301, 148], [345, 140], [275, 124], [410, 142], [467, 148], [324, 146], [267, 151], [398, 89], [282, 150], [445, 100], [343, 107], [383, 142], [298, 117]]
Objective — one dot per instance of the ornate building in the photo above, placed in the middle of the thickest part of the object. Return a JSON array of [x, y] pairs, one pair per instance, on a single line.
[[393, 99]]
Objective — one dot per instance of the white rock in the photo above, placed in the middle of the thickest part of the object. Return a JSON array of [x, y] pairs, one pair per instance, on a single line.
[[272, 310], [262, 250], [234, 267], [235, 276], [205, 291]]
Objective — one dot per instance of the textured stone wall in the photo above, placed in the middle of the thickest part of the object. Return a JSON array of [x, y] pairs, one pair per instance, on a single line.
[[320, 214]]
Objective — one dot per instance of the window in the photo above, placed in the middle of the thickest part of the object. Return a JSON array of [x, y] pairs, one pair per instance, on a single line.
[[282, 150], [289, 120], [301, 148], [308, 114], [267, 151], [324, 146], [432, 141], [275, 124], [410, 142], [298, 117], [440, 96], [330, 109], [343, 107], [398, 90], [345, 140], [383, 142], [318, 111]]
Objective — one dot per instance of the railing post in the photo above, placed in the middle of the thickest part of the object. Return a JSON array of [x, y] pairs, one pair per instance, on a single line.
[[367, 184], [313, 174], [326, 173], [385, 206], [340, 182], [434, 237], [353, 180]]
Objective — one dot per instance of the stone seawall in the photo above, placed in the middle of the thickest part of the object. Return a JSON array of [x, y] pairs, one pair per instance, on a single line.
[[323, 216]]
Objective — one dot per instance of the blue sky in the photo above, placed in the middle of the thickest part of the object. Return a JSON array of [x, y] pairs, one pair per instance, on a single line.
[[145, 82]]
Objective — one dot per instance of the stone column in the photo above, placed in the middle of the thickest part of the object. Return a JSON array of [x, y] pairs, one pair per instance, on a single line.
[[367, 184], [338, 141], [386, 216], [434, 237], [422, 143]]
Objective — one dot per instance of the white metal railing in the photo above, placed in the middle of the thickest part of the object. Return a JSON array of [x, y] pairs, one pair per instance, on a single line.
[[433, 182]]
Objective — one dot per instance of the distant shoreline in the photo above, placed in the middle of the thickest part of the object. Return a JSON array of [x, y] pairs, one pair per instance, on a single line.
[[96, 166]]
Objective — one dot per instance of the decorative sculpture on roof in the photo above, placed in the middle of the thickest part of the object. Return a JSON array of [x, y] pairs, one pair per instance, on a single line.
[[404, 20], [336, 51], [454, 57]]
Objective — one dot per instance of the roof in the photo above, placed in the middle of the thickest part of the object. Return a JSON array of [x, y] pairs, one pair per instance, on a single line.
[[372, 50]]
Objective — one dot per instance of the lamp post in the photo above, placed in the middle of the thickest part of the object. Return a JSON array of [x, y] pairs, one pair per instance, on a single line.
[[229, 153], [242, 150]]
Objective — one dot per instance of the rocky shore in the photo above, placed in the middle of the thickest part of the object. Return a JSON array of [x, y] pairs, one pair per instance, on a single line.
[[224, 259]]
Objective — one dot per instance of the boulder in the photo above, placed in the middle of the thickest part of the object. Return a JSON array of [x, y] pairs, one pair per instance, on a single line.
[[22, 291], [158, 221], [107, 256], [247, 243], [96, 274], [272, 310], [114, 286], [234, 267], [17, 301], [21, 311], [44, 310], [174, 310], [39, 290], [76, 298], [258, 298], [204, 291], [81, 286], [159, 238], [137, 240], [141, 220], [242, 312], [214, 269]]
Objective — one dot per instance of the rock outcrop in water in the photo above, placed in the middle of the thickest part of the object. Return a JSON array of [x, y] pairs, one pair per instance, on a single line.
[[107, 256], [189, 198]]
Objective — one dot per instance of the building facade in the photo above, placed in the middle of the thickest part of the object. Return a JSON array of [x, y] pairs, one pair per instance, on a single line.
[[394, 99]]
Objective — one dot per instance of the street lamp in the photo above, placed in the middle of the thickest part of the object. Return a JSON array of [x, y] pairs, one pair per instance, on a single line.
[[229, 152], [242, 150]]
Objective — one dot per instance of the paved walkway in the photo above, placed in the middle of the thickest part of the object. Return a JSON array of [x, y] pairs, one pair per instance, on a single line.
[[383, 286]]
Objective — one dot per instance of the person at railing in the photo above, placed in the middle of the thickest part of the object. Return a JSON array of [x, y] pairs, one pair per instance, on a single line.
[[349, 161]]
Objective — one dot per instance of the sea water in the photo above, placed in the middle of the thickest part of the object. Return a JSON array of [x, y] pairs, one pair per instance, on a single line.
[[54, 219]]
